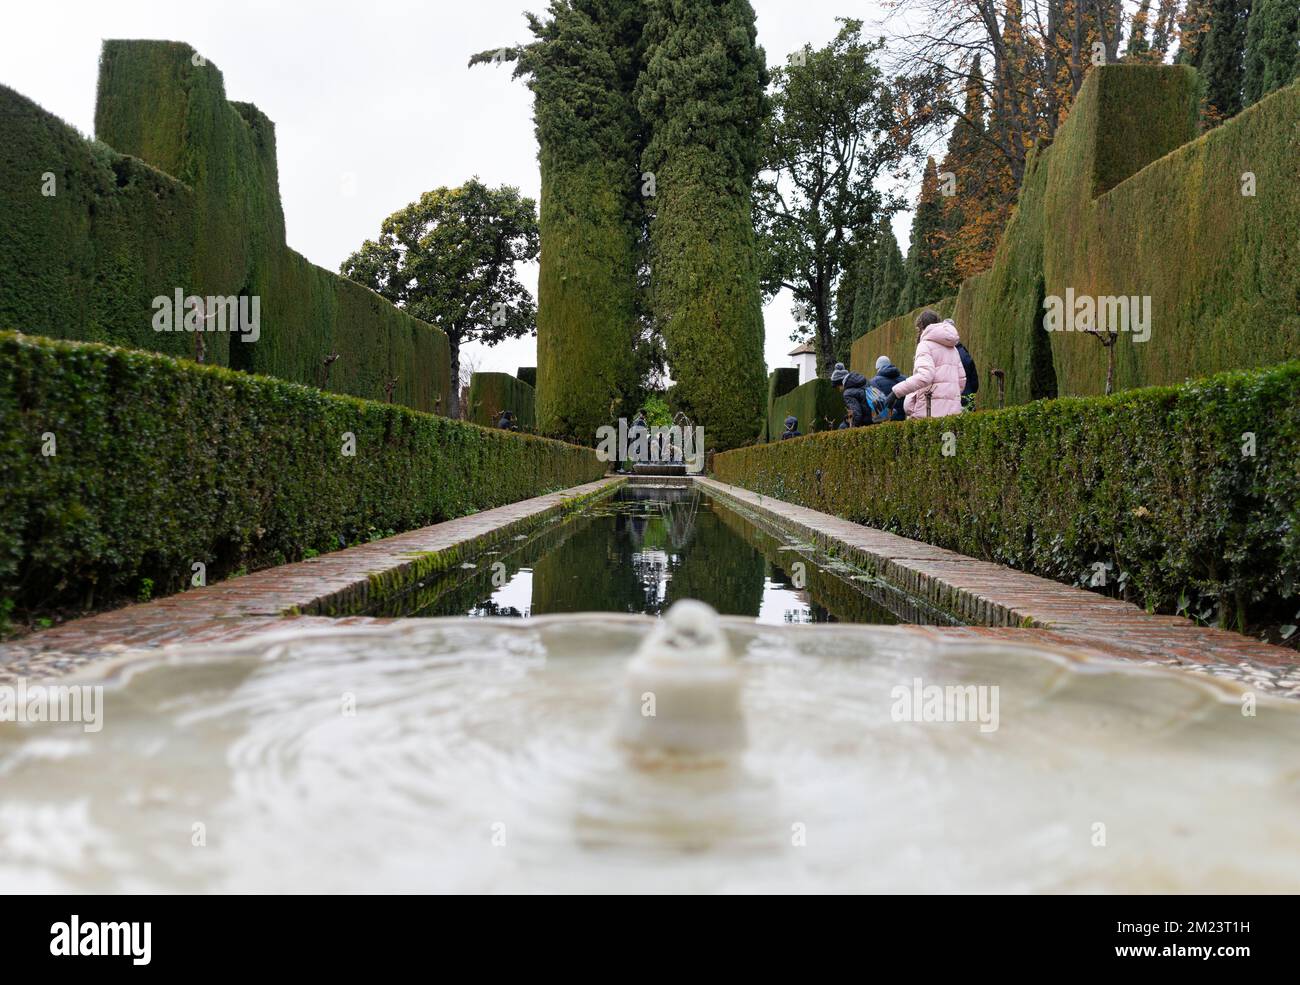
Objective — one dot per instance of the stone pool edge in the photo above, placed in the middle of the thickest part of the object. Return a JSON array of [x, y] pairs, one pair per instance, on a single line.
[[1005, 604], [1009, 604], [322, 590]]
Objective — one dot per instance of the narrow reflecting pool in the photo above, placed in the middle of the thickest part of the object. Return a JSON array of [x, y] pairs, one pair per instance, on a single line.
[[647, 546]]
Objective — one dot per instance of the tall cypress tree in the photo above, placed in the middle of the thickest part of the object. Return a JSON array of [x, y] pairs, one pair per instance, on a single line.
[[1138, 45], [864, 280], [1193, 28], [1272, 37], [924, 280], [701, 96], [1223, 56], [582, 69], [887, 284], [973, 217]]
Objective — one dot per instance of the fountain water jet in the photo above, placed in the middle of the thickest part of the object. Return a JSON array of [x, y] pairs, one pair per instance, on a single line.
[[481, 757], [680, 704]]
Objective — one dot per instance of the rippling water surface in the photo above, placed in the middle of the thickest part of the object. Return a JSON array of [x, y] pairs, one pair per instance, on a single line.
[[475, 755]]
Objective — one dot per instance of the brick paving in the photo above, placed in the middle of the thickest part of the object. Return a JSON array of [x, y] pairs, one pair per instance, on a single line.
[[239, 607], [1004, 604]]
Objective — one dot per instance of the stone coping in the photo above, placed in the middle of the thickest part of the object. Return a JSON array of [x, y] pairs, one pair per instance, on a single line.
[[1028, 607], [1005, 604], [340, 582]]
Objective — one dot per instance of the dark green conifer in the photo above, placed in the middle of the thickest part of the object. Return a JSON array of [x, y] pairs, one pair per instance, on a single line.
[[701, 98], [1272, 43]]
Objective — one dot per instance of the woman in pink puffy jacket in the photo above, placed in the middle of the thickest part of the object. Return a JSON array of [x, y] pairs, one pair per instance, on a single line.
[[936, 370]]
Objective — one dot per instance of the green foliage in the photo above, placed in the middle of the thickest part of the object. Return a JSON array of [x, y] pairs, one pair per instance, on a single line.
[[657, 411], [1272, 47], [491, 393], [1164, 216], [826, 142], [86, 262], [1158, 482], [527, 374], [779, 382], [704, 74], [817, 404], [1222, 55], [887, 278], [924, 273], [161, 463], [450, 259], [582, 69]]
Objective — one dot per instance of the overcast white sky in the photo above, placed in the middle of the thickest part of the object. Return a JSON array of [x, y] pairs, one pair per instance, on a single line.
[[373, 102]]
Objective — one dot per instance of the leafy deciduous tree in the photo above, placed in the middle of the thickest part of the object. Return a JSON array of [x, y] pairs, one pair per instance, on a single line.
[[449, 258], [831, 135]]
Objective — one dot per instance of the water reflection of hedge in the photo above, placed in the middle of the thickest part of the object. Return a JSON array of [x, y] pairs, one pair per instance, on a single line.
[[592, 571], [620, 571], [461, 590], [826, 590]]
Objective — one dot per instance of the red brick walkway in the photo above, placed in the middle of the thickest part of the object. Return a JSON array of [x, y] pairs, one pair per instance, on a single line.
[[240, 607], [992, 595], [1005, 604]]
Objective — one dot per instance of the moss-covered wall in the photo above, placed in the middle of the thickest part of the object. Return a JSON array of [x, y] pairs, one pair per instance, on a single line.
[[1160, 483], [196, 206], [1126, 202], [159, 463], [491, 393]]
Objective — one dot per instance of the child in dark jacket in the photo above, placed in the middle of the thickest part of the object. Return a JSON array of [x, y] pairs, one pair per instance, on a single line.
[[791, 428], [854, 388], [887, 374]]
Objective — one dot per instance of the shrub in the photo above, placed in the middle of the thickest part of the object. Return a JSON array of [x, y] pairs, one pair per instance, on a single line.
[[160, 463], [491, 393], [1155, 482], [817, 404]]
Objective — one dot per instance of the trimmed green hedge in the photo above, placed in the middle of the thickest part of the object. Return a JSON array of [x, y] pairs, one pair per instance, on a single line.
[[86, 262], [896, 339], [1152, 481], [817, 404], [160, 463], [1127, 200], [779, 382], [491, 393], [527, 374]]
